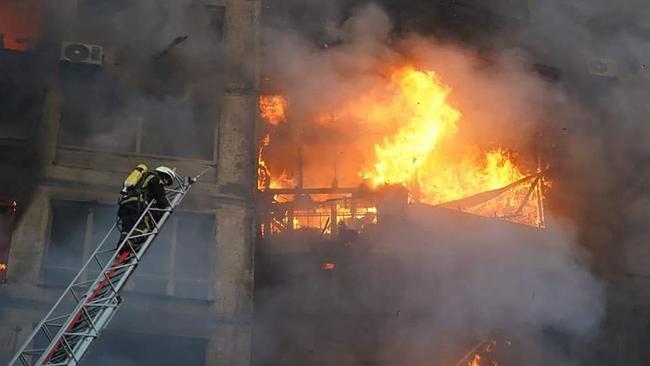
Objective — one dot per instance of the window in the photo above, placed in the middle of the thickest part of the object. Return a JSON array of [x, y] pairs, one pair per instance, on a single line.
[[102, 115], [177, 128], [135, 349], [217, 16], [21, 96], [94, 116], [7, 213], [179, 263], [161, 112], [77, 227]]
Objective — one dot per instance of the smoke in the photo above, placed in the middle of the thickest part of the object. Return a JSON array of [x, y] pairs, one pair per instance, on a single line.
[[164, 68], [503, 102], [453, 282], [426, 289]]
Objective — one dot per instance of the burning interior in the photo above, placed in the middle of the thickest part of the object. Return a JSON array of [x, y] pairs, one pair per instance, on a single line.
[[366, 191], [405, 134]]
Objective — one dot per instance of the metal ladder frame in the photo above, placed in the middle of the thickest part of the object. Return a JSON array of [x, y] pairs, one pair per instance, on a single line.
[[86, 307]]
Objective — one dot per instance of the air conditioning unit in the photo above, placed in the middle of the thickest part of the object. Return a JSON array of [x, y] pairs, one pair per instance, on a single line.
[[603, 67], [80, 53]]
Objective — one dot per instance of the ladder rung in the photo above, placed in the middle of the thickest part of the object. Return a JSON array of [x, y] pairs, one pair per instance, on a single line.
[[64, 316], [122, 266], [78, 284], [34, 351], [81, 335], [160, 209], [138, 236], [102, 305]]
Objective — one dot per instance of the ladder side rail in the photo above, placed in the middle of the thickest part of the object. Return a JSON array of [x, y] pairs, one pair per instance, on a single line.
[[59, 301], [107, 313], [76, 311]]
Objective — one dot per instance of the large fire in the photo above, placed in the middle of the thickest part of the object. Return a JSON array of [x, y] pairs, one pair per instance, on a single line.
[[411, 137], [418, 109]]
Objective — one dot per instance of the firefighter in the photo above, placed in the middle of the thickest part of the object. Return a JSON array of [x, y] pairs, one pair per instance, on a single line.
[[141, 187]]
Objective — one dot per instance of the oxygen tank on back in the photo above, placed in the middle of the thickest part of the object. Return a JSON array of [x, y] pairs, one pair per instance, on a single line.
[[133, 178]]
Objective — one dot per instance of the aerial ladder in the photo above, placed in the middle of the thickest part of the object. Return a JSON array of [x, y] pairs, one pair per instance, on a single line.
[[87, 306]]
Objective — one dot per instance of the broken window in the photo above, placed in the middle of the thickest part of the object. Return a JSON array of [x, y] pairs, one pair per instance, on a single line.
[[179, 263], [7, 214]]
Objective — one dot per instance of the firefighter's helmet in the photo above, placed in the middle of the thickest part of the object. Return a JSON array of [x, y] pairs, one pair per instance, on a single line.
[[168, 174]]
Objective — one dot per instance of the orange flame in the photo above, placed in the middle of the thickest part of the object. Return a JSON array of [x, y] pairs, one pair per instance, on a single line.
[[264, 178], [3, 267], [273, 109], [329, 266], [419, 108], [411, 138]]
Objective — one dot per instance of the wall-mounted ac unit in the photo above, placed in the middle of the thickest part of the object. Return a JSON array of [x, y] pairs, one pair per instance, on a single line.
[[80, 53], [603, 67]]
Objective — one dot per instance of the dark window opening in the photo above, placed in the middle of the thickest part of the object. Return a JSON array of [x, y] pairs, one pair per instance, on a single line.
[[155, 103], [7, 216], [93, 116], [102, 115], [135, 349], [217, 17], [22, 94], [77, 227]]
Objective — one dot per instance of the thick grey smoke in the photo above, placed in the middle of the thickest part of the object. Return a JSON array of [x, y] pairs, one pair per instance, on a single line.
[[452, 283], [163, 71], [603, 162]]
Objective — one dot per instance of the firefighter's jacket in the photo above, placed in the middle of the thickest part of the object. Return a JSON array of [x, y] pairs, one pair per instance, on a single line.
[[149, 187], [136, 199]]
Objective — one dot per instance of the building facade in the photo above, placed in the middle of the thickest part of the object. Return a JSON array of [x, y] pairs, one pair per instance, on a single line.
[[191, 300]]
